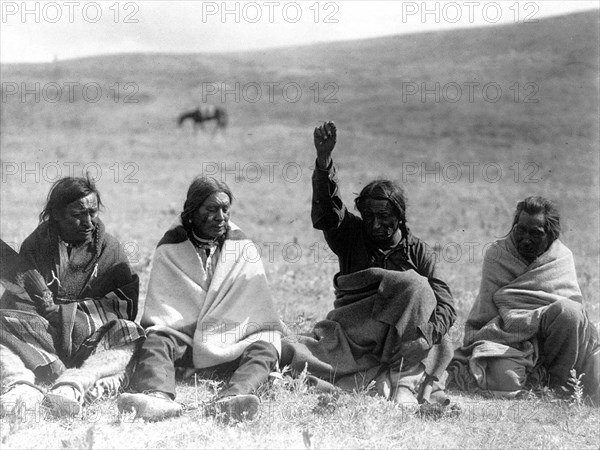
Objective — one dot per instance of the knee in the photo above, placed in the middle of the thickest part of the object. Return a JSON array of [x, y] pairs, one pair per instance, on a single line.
[[565, 312], [417, 282], [266, 349], [262, 350], [158, 339]]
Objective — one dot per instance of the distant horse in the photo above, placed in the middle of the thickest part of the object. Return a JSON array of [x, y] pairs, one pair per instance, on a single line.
[[205, 113]]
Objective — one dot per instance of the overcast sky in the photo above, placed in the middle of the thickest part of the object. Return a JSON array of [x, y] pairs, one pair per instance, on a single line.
[[41, 31]]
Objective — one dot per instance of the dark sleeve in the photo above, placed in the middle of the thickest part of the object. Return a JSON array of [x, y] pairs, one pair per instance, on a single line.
[[444, 315], [329, 213], [19, 298], [328, 210], [29, 254], [10, 267]]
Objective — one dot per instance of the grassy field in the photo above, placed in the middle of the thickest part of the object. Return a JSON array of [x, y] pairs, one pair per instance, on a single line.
[[464, 160]]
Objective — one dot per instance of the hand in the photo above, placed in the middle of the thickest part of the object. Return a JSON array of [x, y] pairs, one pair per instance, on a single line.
[[35, 285], [410, 353], [325, 137]]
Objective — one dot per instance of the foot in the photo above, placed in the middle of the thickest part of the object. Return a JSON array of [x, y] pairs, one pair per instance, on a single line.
[[20, 395], [108, 386], [405, 396], [152, 407], [64, 400], [238, 407]]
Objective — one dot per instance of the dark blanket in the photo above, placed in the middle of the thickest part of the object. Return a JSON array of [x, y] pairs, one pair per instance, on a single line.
[[374, 311], [97, 294]]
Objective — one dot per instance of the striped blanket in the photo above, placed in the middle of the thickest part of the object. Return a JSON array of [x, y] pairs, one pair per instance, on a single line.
[[96, 293]]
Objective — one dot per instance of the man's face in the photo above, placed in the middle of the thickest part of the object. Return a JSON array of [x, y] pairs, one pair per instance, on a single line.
[[211, 219], [78, 220], [530, 235], [380, 221]]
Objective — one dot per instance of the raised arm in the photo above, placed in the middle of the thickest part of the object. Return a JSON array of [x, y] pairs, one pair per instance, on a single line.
[[328, 210]]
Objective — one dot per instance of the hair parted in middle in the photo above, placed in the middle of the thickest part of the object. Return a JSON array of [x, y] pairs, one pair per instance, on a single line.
[[385, 190], [200, 189]]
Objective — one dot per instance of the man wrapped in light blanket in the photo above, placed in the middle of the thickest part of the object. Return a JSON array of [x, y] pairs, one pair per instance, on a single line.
[[529, 310], [208, 306]]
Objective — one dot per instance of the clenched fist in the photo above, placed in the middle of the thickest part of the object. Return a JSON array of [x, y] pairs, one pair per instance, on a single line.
[[325, 138]]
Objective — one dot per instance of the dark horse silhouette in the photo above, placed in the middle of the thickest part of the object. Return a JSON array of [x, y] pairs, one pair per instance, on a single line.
[[205, 113]]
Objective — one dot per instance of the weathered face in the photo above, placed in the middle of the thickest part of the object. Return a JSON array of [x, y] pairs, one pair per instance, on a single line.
[[380, 222], [78, 220], [211, 219], [530, 236]]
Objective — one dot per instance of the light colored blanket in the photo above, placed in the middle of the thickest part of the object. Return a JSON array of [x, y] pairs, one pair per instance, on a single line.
[[219, 320], [513, 296]]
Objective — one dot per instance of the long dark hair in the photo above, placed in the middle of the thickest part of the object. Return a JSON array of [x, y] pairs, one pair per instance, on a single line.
[[65, 191], [200, 189]]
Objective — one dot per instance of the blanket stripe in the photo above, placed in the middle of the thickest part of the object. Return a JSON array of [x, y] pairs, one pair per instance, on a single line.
[[97, 314]]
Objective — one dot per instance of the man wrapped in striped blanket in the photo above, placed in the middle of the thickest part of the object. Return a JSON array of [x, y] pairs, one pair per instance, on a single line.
[[67, 318]]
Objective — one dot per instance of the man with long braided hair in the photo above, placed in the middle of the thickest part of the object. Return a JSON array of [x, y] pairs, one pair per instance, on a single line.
[[73, 323], [391, 310]]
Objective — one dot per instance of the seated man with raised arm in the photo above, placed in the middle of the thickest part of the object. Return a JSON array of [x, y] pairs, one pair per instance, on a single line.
[[391, 310], [72, 323], [529, 310]]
